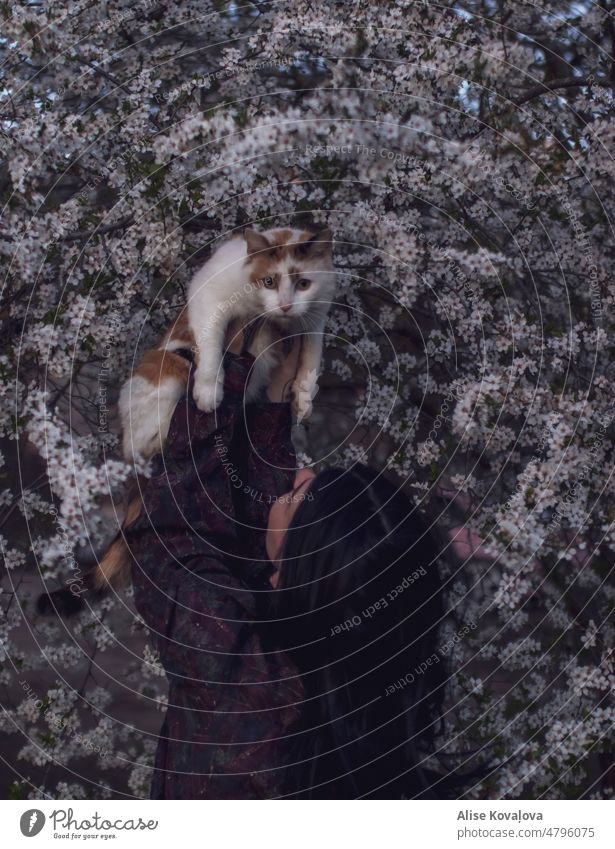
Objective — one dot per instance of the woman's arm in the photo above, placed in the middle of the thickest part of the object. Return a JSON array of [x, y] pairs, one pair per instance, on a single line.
[[266, 456], [187, 502], [185, 543], [184, 540]]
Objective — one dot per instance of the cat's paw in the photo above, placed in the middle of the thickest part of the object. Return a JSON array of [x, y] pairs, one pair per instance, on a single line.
[[208, 392], [303, 390], [301, 409]]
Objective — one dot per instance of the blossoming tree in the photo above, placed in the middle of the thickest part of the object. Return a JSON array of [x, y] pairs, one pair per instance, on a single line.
[[461, 152]]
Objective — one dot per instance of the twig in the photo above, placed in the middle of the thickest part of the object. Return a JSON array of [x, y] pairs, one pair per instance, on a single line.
[[550, 86], [98, 231]]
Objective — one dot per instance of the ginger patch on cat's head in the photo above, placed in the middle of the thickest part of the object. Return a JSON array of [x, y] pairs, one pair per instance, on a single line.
[[292, 271], [266, 251]]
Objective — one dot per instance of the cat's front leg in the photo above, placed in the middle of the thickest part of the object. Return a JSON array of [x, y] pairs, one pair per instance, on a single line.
[[209, 375], [305, 384]]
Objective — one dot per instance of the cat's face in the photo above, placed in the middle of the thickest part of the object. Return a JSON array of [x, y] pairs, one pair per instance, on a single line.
[[290, 270]]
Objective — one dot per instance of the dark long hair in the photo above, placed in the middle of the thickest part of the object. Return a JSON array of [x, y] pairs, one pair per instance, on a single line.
[[358, 607]]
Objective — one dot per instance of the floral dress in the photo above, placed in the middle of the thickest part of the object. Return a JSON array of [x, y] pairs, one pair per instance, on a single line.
[[200, 576]]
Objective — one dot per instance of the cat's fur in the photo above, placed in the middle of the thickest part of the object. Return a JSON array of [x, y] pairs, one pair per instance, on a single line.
[[250, 276]]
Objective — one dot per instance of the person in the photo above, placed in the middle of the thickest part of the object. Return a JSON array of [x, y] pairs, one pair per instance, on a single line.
[[289, 610]]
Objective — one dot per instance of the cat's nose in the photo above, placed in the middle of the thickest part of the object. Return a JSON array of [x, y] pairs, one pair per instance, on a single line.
[[285, 307]]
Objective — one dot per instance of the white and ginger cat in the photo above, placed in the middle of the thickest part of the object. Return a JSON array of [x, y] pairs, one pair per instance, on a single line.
[[286, 278], [283, 276]]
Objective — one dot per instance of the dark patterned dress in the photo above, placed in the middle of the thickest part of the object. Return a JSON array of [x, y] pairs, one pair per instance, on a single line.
[[200, 576]]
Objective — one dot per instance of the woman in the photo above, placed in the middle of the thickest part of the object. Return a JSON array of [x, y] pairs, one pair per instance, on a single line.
[[289, 611]]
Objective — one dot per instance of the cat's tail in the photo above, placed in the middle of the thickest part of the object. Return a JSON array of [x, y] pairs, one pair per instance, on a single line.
[[68, 601], [113, 570]]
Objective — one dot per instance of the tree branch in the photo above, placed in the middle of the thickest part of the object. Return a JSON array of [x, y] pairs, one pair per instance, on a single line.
[[550, 86], [98, 231]]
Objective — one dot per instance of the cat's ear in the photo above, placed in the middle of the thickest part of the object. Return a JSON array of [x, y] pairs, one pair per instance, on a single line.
[[256, 242], [318, 244]]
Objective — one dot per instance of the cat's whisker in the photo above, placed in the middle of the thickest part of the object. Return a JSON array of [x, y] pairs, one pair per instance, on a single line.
[[305, 322]]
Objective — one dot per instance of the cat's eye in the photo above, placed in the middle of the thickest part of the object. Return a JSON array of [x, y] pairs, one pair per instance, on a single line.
[[268, 282], [303, 283]]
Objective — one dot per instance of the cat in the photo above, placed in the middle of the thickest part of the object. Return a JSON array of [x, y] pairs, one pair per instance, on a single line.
[[285, 278]]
